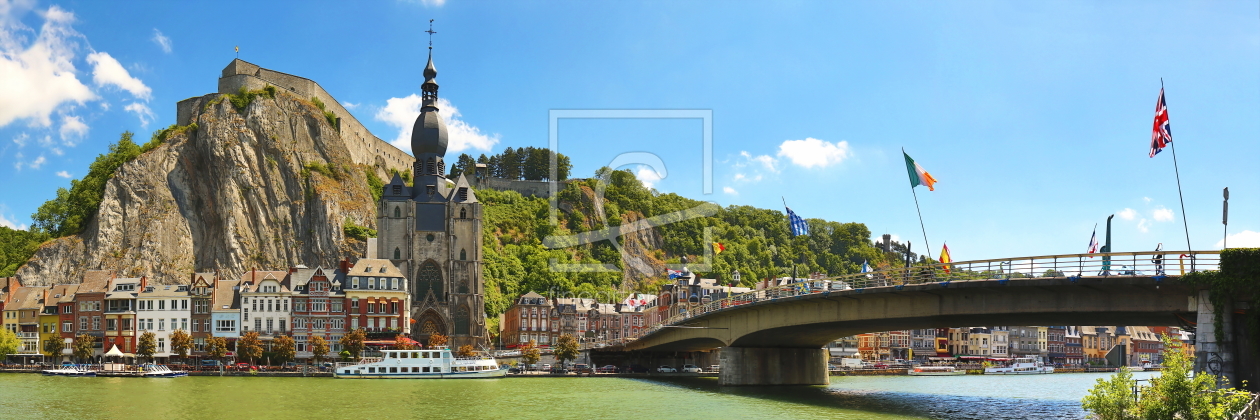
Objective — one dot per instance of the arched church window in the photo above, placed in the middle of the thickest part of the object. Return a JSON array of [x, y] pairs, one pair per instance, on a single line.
[[463, 213], [397, 254], [397, 211], [428, 279], [462, 320], [463, 255]]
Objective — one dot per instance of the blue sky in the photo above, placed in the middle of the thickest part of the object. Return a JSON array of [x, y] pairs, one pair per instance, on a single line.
[[1034, 117]]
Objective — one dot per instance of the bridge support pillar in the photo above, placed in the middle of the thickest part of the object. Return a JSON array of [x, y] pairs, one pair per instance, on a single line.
[[1213, 354], [772, 366]]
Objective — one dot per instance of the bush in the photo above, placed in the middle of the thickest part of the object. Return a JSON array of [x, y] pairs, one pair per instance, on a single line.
[[358, 232], [71, 211], [1178, 393]]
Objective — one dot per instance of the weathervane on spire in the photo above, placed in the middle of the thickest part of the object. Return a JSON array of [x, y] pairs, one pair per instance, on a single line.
[[431, 32]]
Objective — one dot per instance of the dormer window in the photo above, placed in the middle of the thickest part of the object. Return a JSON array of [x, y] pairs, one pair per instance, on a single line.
[[397, 191], [382, 269]]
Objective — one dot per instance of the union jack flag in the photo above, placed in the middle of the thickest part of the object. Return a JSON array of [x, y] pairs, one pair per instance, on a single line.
[[1161, 133]]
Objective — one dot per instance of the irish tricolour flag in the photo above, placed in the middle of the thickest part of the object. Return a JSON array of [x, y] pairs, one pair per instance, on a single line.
[[918, 175]]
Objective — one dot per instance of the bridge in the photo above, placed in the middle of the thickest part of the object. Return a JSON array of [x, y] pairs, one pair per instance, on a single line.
[[775, 336]]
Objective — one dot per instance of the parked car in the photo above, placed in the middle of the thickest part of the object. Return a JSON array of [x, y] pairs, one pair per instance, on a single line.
[[715, 368], [666, 369], [691, 369], [546, 366], [581, 368], [559, 370], [635, 369]]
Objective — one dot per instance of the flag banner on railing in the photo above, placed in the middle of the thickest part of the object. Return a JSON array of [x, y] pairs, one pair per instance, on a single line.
[[1093, 242], [945, 259]]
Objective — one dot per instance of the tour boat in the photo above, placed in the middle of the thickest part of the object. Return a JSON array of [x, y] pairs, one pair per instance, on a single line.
[[1020, 366], [160, 371], [70, 370], [935, 371], [435, 363]]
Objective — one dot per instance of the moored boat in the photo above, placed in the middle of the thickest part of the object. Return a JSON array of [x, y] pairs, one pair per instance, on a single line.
[[71, 370], [1020, 366], [435, 363], [934, 371]]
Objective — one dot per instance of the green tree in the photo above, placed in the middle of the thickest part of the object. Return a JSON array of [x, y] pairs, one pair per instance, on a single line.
[[1112, 398], [147, 345], [530, 353], [71, 210], [463, 165], [16, 247], [1177, 393], [181, 343], [54, 345], [353, 342], [284, 349], [216, 348], [83, 347], [9, 343], [566, 348], [319, 348], [249, 346]]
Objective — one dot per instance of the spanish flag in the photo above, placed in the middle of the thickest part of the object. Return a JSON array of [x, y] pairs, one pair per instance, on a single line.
[[718, 248], [945, 257]]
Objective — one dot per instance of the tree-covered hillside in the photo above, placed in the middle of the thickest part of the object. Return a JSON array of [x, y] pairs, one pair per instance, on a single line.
[[757, 241]]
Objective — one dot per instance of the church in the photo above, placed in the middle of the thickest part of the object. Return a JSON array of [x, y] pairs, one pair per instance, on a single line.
[[432, 231]]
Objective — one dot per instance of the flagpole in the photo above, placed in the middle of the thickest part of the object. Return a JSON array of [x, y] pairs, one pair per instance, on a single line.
[[927, 245], [1181, 197]]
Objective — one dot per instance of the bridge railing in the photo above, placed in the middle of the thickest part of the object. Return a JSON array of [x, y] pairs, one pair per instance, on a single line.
[[1157, 264]]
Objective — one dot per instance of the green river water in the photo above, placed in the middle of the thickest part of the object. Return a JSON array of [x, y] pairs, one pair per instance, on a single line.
[[30, 396]]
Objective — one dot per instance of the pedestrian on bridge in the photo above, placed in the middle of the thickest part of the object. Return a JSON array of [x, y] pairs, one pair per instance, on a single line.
[[1159, 260]]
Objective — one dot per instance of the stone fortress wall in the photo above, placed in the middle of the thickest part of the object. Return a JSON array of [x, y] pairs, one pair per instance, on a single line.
[[365, 148]]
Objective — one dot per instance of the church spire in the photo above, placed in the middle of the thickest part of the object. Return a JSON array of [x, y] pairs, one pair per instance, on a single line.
[[429, 90]]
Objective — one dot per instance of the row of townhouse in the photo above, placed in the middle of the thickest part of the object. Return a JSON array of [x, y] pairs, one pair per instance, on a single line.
[[371, 294], [543, 320], [1069, 345]]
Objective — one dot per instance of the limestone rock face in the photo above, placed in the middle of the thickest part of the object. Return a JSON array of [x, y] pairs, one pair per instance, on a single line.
[[267, 187]]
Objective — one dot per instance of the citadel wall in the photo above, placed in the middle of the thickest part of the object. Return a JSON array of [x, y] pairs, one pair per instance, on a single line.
[[365, 148]]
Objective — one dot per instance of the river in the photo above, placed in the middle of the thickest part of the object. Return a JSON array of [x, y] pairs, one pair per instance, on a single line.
[[30, 396]]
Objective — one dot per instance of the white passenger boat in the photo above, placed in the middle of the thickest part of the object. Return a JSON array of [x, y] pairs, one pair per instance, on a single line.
[[1020, 366], [935, 371], [71, 370], [435, 363], [160, 371]]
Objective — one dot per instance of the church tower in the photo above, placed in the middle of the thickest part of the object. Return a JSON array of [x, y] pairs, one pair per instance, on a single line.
[[431, 231]]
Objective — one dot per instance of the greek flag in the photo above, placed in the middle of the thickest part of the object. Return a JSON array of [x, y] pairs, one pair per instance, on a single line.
[[799, 227], [866, 268]]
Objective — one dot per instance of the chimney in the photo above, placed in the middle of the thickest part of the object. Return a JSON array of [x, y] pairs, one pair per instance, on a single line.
[[144, 282], [345, 265]]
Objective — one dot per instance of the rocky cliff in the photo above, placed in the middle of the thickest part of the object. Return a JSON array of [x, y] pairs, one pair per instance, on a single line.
[[266, 186]]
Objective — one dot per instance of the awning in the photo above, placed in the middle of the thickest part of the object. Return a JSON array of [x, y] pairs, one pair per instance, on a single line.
[[114, 352]]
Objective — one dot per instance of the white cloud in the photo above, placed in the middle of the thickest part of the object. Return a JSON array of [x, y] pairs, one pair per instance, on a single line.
[[648, 176], [38, 78], [813, 152], [21, 139], [765, 160], [106, 71], [72, 129], [429, 3], [1147, 200], [730, 191], [1244, 239], [402, 112], [35, 164], [162, 41], [1163, 214], [1127, 214], [6, 221], [350, 105], [1144, 225], [17, 161], [63, 174], [142, 111], [105, 106]]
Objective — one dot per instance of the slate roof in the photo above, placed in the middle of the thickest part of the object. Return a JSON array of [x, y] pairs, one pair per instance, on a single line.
[[96, 281], [226, 297], [374, 267]]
